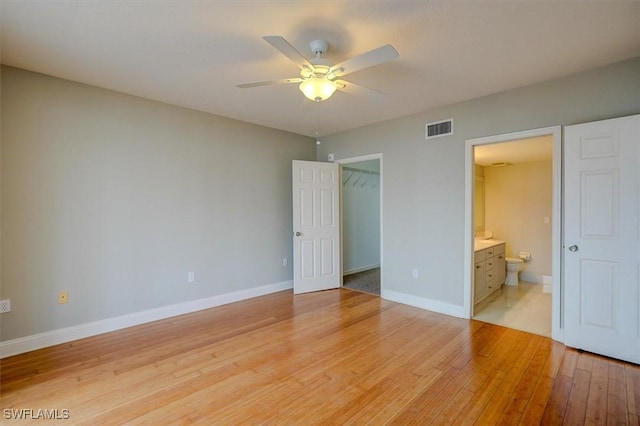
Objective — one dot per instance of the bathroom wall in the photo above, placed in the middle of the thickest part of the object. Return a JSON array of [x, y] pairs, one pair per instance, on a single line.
[[518, 198], [478, 201], [361, 217]]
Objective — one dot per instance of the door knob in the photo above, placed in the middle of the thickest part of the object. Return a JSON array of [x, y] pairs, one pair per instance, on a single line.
[[573, 248], [298, 234]]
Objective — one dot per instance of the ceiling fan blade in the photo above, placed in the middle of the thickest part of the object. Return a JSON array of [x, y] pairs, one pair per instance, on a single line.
[[373, 57], [268, 82], [289, 51], [356, 89]]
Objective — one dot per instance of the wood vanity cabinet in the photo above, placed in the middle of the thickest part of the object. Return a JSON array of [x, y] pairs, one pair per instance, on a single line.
[[489, 271]]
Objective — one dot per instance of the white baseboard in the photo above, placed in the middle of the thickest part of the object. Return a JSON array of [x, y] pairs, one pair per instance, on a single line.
[[423, 303], [63, 335], [362, 269]]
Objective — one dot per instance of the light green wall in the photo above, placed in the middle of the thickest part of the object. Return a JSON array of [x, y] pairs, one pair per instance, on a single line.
[[115, 199], [423, 211]]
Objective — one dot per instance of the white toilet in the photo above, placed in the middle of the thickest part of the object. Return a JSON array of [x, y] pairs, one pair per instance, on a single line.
[[514, 265]]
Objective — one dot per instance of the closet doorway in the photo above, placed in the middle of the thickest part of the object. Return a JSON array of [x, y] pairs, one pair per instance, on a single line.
[[361, 219]]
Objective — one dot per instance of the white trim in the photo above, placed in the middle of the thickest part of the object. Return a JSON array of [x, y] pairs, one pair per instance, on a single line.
[[557, 309], [424, 303], [361, 269], [366, 157], [63, 335], [360, 158], [556, 235], [468, 288]]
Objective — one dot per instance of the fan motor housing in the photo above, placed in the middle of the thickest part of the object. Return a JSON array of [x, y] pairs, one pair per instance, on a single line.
[[319, 47]]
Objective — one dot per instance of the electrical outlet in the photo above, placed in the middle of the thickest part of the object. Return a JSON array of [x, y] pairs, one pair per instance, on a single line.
[[191, 277], [63, 297], [5, 306], [414, 272], [284, 261]]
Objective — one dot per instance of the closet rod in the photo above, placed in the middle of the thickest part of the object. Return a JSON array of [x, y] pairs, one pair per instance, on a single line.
[[352, 169]]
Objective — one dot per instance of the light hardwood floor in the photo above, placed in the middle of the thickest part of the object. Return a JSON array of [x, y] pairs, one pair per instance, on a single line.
[[334, 357]]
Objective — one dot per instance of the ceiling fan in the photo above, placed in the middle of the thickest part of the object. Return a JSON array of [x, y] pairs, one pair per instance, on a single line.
[[319, 78]]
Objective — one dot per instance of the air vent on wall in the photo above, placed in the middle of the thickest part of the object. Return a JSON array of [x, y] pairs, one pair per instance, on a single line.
[[439, 128]]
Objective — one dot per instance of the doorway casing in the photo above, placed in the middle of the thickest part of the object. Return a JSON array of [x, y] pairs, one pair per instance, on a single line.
[[556, 235], [345, 161]]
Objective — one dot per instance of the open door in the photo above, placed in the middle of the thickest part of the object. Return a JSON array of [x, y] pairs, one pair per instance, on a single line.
[[601, 225], [316, 226]]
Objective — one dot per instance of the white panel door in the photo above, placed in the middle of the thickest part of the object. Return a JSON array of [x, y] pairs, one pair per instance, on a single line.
[[316, 226], [601, 237]]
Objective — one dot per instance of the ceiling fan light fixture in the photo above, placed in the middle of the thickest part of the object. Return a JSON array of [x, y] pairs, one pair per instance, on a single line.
[[318, 88]]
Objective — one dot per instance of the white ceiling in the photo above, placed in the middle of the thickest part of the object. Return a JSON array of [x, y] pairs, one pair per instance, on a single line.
[[192, 54], [527, 150]]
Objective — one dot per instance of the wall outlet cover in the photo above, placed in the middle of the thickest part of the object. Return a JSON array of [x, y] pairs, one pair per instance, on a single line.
[[5, 306]]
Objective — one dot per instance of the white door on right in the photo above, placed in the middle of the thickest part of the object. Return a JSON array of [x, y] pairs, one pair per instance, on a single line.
[[602, 237]]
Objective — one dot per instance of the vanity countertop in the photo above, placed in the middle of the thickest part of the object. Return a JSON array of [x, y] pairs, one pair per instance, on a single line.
[[484, 244]]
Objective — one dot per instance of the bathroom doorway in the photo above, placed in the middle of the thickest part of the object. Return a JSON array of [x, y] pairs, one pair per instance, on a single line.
[[361, 210], [513, 206]]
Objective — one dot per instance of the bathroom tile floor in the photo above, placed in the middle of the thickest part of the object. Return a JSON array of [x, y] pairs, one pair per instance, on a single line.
[[524, 308]]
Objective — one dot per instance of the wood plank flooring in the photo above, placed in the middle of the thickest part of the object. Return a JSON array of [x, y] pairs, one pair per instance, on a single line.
[[333, 357]]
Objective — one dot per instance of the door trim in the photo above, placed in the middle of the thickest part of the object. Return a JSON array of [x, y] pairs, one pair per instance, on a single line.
[[556, 217], [358, 159]]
